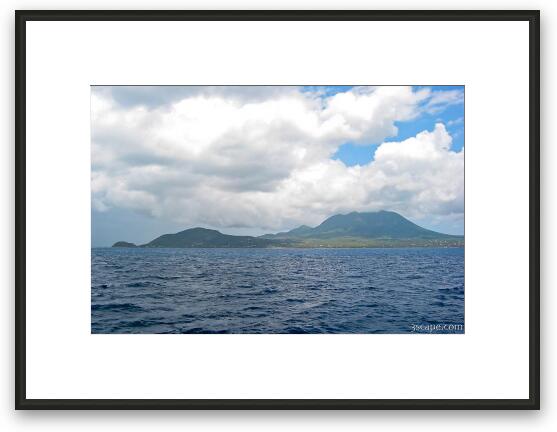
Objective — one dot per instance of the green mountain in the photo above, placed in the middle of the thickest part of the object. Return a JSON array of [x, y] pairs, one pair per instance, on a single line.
[[202, 237], [374, 229], [377, 229], [376, 225]]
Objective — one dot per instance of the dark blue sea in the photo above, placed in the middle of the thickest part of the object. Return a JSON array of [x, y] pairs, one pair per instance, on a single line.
[[413, 290]]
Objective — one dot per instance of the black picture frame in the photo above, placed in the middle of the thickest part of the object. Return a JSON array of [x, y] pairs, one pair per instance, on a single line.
[[531, 16]]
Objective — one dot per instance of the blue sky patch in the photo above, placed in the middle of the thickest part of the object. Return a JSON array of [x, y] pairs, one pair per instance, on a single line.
[[451, 115]]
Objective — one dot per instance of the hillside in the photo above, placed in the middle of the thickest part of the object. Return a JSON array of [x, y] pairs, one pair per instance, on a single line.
[[202, 237], [123, 244]]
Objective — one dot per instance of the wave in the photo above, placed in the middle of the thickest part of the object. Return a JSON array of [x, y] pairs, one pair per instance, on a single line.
[[128, 307]]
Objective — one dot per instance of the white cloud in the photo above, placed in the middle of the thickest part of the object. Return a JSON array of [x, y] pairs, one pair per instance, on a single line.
[[262, 158], [368, 114]]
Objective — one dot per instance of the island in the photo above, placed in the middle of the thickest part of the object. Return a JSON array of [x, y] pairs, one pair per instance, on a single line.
[[352, 230]]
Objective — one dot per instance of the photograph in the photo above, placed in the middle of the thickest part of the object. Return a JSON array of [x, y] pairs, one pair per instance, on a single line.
[[277, 209]]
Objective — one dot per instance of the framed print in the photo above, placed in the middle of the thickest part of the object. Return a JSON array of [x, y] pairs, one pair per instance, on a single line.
[[275, 210]]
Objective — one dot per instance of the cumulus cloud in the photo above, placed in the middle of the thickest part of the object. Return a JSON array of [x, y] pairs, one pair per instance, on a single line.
[[261, 157]]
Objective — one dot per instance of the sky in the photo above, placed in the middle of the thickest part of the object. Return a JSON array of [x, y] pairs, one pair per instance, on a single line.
[[252, 160]]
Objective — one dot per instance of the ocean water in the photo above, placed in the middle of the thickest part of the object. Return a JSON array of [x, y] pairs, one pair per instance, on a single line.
[[413, 290]]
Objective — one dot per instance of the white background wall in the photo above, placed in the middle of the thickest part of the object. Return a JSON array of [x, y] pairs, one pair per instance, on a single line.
[[416, 421]]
